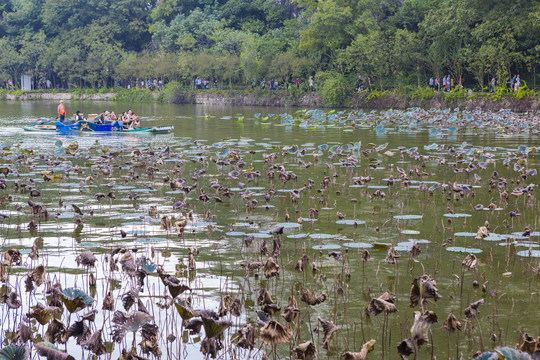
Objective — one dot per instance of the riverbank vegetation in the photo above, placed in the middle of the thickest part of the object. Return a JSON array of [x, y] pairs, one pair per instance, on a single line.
[[386, 45]]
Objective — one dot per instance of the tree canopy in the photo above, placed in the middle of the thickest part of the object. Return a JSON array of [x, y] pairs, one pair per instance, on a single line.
[[397, 43]]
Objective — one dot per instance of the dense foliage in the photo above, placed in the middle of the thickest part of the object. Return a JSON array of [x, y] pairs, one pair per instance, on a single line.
[[396, 43]]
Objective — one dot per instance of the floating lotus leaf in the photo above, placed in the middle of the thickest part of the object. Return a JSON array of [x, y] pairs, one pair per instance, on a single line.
[[529, 253], [457, 215], [464, 250], [326, 247], [408, 217], [358, 245], [293, 149], [13, 352], [75, 299]]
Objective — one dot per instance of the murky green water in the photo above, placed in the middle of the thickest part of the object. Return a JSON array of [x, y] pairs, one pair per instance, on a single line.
[[205, 135]]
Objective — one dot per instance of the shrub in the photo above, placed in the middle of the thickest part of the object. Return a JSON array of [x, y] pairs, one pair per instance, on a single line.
[[336, 89]]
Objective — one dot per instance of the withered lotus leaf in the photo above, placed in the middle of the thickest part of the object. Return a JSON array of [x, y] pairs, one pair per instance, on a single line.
[[86, 258], [236, 306], [391, 255], [306, 351], [95, 344], [472, 310], [328, 329], [34, 253], [214, 328], [132, 321], [452, 323], [210, 346], [51, 352], [194, 325], [264, 297], [12, 257], [108, 302], [290, 313], [150, 342], [362, 354], [129, 298], [13, 301], [421, 325], [38, 275], [470, 262], [184, 310], [366, 255], [57, 332], [312, 297], [405, 347], [274, 333], [90, 316], [75, 299], [24, 333], [529, 345], [271, 268], [383, 303], [141, 307], [80, 331], [43, 314], [175, 286], [246, 337], [225, 305], [482, 232], [423, 288]]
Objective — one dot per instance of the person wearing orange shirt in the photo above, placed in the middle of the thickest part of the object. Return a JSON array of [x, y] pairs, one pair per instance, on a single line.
[[61, 111]]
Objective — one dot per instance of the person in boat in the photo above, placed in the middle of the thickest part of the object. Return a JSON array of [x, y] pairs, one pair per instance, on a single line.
[[135, 122], [79, 116], [126, 120], [100, 119], [113, 116], [106, 117], [61, 111]]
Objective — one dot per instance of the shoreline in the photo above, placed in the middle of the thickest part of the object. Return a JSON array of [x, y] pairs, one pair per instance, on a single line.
[[369, 100]]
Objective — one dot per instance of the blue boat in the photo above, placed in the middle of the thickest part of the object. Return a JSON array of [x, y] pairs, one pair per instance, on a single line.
[[71, 126]]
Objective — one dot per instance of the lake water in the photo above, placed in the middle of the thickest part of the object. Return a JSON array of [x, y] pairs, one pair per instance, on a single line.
[[345, 203]]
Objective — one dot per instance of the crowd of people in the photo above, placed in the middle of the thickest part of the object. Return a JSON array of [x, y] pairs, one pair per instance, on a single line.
[[129, 120], [446, 84]]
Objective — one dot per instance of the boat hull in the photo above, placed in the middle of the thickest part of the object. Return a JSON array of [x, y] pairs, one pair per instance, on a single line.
[[92, 128]]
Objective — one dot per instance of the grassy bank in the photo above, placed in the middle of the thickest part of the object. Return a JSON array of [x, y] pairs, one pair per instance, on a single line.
[[331, 94]]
